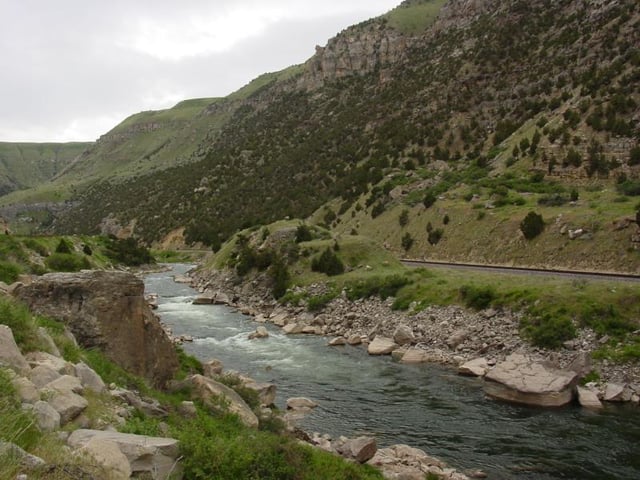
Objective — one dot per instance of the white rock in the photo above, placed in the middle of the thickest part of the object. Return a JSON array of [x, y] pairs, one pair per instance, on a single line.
[[292, 328], [26, 390], [614, 392], [68, 404], [403, 335], [43, 374], [47, 417], [89, 378], [108, 454], [337, 341]]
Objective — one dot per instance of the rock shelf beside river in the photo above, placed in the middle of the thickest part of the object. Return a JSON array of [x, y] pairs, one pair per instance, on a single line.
[[449, 335]]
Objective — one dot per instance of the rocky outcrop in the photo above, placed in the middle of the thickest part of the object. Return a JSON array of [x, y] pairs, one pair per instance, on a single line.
[[358, 50], [519, 379], [106, 310], [408, 463]]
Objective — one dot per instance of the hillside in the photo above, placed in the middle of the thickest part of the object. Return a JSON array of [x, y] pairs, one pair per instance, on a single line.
[[25, 165], [486, 110]]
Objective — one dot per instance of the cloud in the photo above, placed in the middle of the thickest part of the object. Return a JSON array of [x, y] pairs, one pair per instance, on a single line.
[[73, 69]]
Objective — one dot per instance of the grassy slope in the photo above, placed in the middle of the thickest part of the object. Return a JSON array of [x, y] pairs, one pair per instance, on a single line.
[[24, 165], [414, 16]]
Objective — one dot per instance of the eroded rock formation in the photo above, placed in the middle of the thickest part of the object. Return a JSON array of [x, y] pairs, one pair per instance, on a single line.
[[106, 310]]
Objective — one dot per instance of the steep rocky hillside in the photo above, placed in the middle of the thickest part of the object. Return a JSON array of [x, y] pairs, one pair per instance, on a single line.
[[507, 104], [25, 165]]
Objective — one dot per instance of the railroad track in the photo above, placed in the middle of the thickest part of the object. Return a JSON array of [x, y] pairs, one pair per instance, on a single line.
[[578, 274]]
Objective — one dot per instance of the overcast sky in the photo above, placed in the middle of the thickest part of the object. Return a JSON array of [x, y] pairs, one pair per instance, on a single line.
[[73, 69]]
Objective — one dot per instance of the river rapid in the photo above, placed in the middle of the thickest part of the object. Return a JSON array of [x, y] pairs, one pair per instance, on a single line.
[[425, 406]]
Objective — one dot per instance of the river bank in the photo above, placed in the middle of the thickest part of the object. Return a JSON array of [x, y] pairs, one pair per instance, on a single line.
[[449, 335]]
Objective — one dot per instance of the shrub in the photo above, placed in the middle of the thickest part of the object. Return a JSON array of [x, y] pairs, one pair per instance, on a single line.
[[67, 262], [446, 219], [36, 246], [429, 199], [9, 272], [318, 302], [553, 200], [549, 331], [407, 241], [435, 236], [279, 274], [377, 210], [64, 246], [477, 298], [328, 263], [574, 195], [532, 225], [303, 233]]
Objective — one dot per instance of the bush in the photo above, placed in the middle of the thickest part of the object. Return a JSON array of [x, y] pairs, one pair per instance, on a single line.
[[407, 241], [280, 277], [403, 219], [429, 199], [67, 262], [317, 303], [532, 225], [549, 331], [477, 298], [434, 236], [328, 263], [9, 272], [64, 246], [553, 200], [303, 233]]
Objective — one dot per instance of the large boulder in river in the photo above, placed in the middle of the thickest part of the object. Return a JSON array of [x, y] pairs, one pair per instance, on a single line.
[[106, 310], [520, 379]]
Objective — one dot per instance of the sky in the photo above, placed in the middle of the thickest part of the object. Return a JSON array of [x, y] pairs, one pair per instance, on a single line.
[[74, 69]]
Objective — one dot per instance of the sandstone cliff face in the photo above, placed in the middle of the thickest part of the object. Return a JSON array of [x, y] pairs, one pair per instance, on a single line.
[[106, 310], [356, 51]]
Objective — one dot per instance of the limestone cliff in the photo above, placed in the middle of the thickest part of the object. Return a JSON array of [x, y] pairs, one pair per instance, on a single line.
[[106, 310], [358, 50]]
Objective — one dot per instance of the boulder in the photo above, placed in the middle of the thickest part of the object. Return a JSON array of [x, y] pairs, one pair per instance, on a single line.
[[27, 391], [457, 338], [354, 340], [66, 383], [614, 392], [407, 463], [46, 339], [27, 460], [266, 392], [280, 319], [153, 456], [361, 449], [89, 378], [474, 368], [261, 332], [221, 298], [581, 364], [403, 335], [107, 310], [334, 342], [519, 379], [42, 375], [588, 398], [300, 403], [419, 355], [187, 409], [293, 328], [381, 346], [68, 404], [45, 359], [204, 299], [211, 392], [10, 355], [47, 417], [212, 368], [107, 454]]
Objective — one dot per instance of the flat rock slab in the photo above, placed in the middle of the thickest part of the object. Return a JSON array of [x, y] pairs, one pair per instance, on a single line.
[[520, 379], [154, 455], [588, 398], [474, 368]]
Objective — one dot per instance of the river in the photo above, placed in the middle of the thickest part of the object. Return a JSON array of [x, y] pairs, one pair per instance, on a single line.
[[425, 406]]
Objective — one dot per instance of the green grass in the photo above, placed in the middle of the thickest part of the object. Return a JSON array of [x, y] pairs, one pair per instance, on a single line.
[[414, 16]]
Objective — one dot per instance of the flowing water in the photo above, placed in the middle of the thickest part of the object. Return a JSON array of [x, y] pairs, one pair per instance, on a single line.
[[425, 406]]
